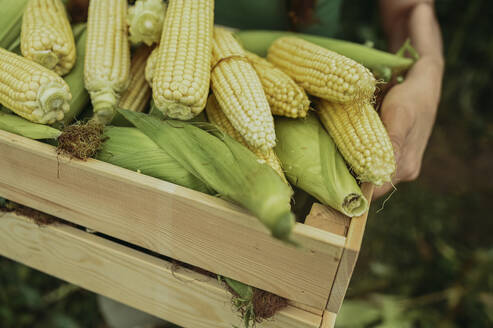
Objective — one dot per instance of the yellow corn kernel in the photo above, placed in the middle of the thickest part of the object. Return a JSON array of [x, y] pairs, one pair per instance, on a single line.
[[361, 138], [285, 97], [321, 72], [137, 95], [31, 90], [107, 62], [216, 116], [181, 83], [239, 92], [145, 21], [46, 35]]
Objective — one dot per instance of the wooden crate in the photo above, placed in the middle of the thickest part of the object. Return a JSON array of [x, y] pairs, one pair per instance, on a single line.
[[177, 222]]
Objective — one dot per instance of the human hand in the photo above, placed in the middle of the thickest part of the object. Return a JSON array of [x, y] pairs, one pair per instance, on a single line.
[[408, 113], [408, 110]]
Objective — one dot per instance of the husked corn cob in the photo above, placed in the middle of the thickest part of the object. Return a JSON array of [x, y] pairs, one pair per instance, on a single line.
[[31, 90], [285, 97], [239, 92], [151, 65], [145, 21], [321, 72], [46, 35], [138, 93], [217, 117], [361, 138], [107, 62], [181, 83]]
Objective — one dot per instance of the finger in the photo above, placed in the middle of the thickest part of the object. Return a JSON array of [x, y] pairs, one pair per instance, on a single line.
[[398, 118], [382, 190]]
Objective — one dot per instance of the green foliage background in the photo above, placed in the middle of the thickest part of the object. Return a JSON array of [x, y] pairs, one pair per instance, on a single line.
[[427, 257]]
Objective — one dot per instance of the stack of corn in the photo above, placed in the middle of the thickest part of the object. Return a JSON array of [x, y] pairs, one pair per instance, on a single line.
[[196, 66], [345, 92]]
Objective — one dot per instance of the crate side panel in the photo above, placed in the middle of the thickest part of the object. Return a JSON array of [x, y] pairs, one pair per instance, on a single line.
[[149, 284], [186, 225], [328, 219]]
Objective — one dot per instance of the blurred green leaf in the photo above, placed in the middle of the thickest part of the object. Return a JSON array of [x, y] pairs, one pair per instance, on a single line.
[[30, 296], [354, 314], [60, 320]]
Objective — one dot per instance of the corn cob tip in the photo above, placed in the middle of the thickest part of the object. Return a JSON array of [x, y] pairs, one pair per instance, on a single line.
[[46, 58], [177, 111], [104, 105], [145, 19], [54, 101], [354, 205]]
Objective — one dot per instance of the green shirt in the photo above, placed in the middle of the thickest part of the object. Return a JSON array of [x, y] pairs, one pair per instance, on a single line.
[[273, 15]]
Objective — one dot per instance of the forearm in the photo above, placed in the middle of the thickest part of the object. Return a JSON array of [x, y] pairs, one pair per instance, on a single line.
[[413, 19]]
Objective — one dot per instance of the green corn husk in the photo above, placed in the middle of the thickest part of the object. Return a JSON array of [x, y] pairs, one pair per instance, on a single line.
[[224, 165], [243, 301], [383, 64], [10, 21], [17, 125], [75, 79], [312, 162], [133, 150]]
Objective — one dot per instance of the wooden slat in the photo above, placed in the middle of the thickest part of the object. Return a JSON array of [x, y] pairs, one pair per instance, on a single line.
[[180, 223], [349, 256], [328, 219], [328, 320], [357, 226], [342, 279], [306, 308], [147, 283]]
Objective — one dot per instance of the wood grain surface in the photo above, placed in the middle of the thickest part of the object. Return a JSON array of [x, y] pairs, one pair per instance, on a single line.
[[350, 254], [180, 223], [147, 283]]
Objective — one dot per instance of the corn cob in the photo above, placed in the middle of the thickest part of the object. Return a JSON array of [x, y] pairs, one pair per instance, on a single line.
[[285, 97], [217, 117], [151, 66], [226, 166], [74, 79], [361, 138], [383, 64], [138, 93], [107, 62], [321, 72], [129, 148], [145, 21], [239, 92], [46, 35], [31, 90], [181, 84], [313, 164]]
